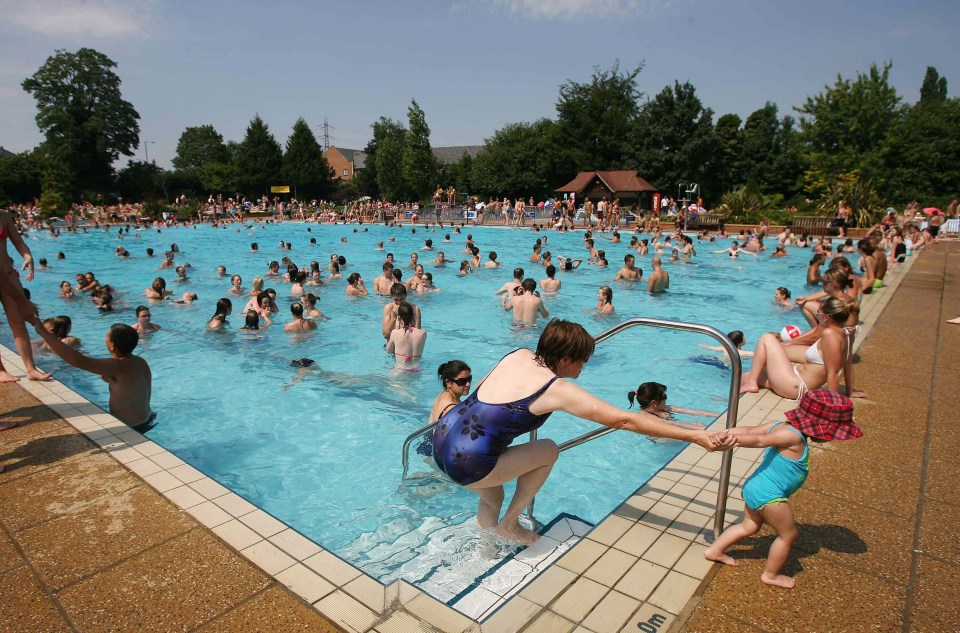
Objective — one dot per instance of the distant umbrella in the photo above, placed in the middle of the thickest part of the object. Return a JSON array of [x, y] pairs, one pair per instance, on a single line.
[[932, 210]]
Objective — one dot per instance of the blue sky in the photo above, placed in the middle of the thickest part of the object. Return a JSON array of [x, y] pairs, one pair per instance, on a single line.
[[473, 65]]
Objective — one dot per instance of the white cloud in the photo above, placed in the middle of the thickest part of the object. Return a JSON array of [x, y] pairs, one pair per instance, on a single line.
[[78, 18], [571, 9]]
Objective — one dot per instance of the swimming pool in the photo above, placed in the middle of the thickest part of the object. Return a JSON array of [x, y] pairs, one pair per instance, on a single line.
[[324, 454]]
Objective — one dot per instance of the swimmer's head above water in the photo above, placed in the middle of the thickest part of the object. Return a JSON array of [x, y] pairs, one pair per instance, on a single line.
[[302, 362]]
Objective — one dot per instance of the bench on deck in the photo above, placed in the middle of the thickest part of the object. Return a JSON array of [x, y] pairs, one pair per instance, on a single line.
[[705, 221], [815, 225]]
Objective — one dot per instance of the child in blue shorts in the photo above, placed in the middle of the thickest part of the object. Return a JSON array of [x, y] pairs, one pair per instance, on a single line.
[[822, 416]]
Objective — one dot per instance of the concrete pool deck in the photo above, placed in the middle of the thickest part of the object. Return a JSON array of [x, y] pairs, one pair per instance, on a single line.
[[87, 546]]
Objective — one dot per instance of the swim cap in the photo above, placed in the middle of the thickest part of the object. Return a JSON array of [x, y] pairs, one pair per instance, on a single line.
[[789, 332]]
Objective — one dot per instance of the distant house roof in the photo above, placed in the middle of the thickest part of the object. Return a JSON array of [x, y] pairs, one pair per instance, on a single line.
[[356, 156], [615, 181], [5, 153], [449, 155]]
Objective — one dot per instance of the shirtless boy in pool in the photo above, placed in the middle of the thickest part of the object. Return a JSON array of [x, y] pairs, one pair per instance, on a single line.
[[129, 376]]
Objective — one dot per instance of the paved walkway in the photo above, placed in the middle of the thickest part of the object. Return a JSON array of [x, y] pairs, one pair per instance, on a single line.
[[879, 546], [86, 545]]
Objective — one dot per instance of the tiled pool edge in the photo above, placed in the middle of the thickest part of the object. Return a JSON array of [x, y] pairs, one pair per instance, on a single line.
[[643, 563]]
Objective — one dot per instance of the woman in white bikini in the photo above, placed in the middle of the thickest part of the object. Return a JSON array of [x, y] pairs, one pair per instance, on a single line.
[[823, 361]]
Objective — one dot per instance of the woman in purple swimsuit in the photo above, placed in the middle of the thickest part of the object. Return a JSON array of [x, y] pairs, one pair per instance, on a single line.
[[472, 440]]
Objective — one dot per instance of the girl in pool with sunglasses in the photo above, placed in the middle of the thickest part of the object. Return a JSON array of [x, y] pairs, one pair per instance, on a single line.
[[456, 378]]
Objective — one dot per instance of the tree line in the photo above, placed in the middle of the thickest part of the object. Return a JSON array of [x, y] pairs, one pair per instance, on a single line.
[[857, 141]]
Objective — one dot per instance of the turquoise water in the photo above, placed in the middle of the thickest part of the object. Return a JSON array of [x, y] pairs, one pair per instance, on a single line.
[[323, 453]]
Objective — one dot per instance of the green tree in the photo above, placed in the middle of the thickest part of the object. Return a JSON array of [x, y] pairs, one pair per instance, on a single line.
[[458, 174], [845, 127], [364, 182], [140, 181], [419, 162], [726, 172], [923, 153], [771, 156], [390, 137], [219, 178], [87, 123], [20, 177], [934, 88], [198, 146], [258, 162], [594, 120], [514, 161], [674, 139], [304, 164]]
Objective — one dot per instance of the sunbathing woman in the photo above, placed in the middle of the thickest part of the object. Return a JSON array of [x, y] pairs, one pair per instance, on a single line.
[[822, 364]]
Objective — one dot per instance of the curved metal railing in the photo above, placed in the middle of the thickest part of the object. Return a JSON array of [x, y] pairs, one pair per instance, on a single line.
[[732, 404]]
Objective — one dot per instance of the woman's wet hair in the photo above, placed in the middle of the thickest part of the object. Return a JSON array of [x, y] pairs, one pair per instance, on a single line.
[[310, 298], [296, 310], [563, 339], [737, 337], [303, 362], [818, 258], [159, 284], [450, 369], [784, 292], [61, 326], [258, 283], [647, 393], [405, 313], [551, 271], [123, 337], [607, 293], [866, 247], [261, 296], [224, 306], [251, 321], [353, 278]]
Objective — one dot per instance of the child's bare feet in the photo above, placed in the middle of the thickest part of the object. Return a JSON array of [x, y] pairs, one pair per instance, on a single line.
[[718, 557], [777, 580], [7, 377], [517, 533], [36, 374]]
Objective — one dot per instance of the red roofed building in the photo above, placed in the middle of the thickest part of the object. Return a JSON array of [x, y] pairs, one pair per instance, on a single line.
[[626, 185]]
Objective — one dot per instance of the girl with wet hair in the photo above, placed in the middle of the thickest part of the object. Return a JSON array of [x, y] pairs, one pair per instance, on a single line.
[[299, 323], [220, 314], [652, 398], [251, 321], [456, 378]]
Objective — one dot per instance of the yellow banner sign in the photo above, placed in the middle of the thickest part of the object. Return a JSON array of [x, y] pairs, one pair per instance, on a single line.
[[281, 189]]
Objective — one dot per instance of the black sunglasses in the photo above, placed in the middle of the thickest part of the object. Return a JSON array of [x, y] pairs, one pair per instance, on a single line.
[[462, 382]]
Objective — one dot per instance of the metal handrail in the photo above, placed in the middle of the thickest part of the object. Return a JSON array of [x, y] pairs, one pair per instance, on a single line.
[[732, 405]]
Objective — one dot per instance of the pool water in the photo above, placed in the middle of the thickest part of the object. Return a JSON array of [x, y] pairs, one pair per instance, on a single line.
[[321, 449]]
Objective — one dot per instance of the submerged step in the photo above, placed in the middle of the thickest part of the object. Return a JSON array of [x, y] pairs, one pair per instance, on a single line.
[[511, 574]]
